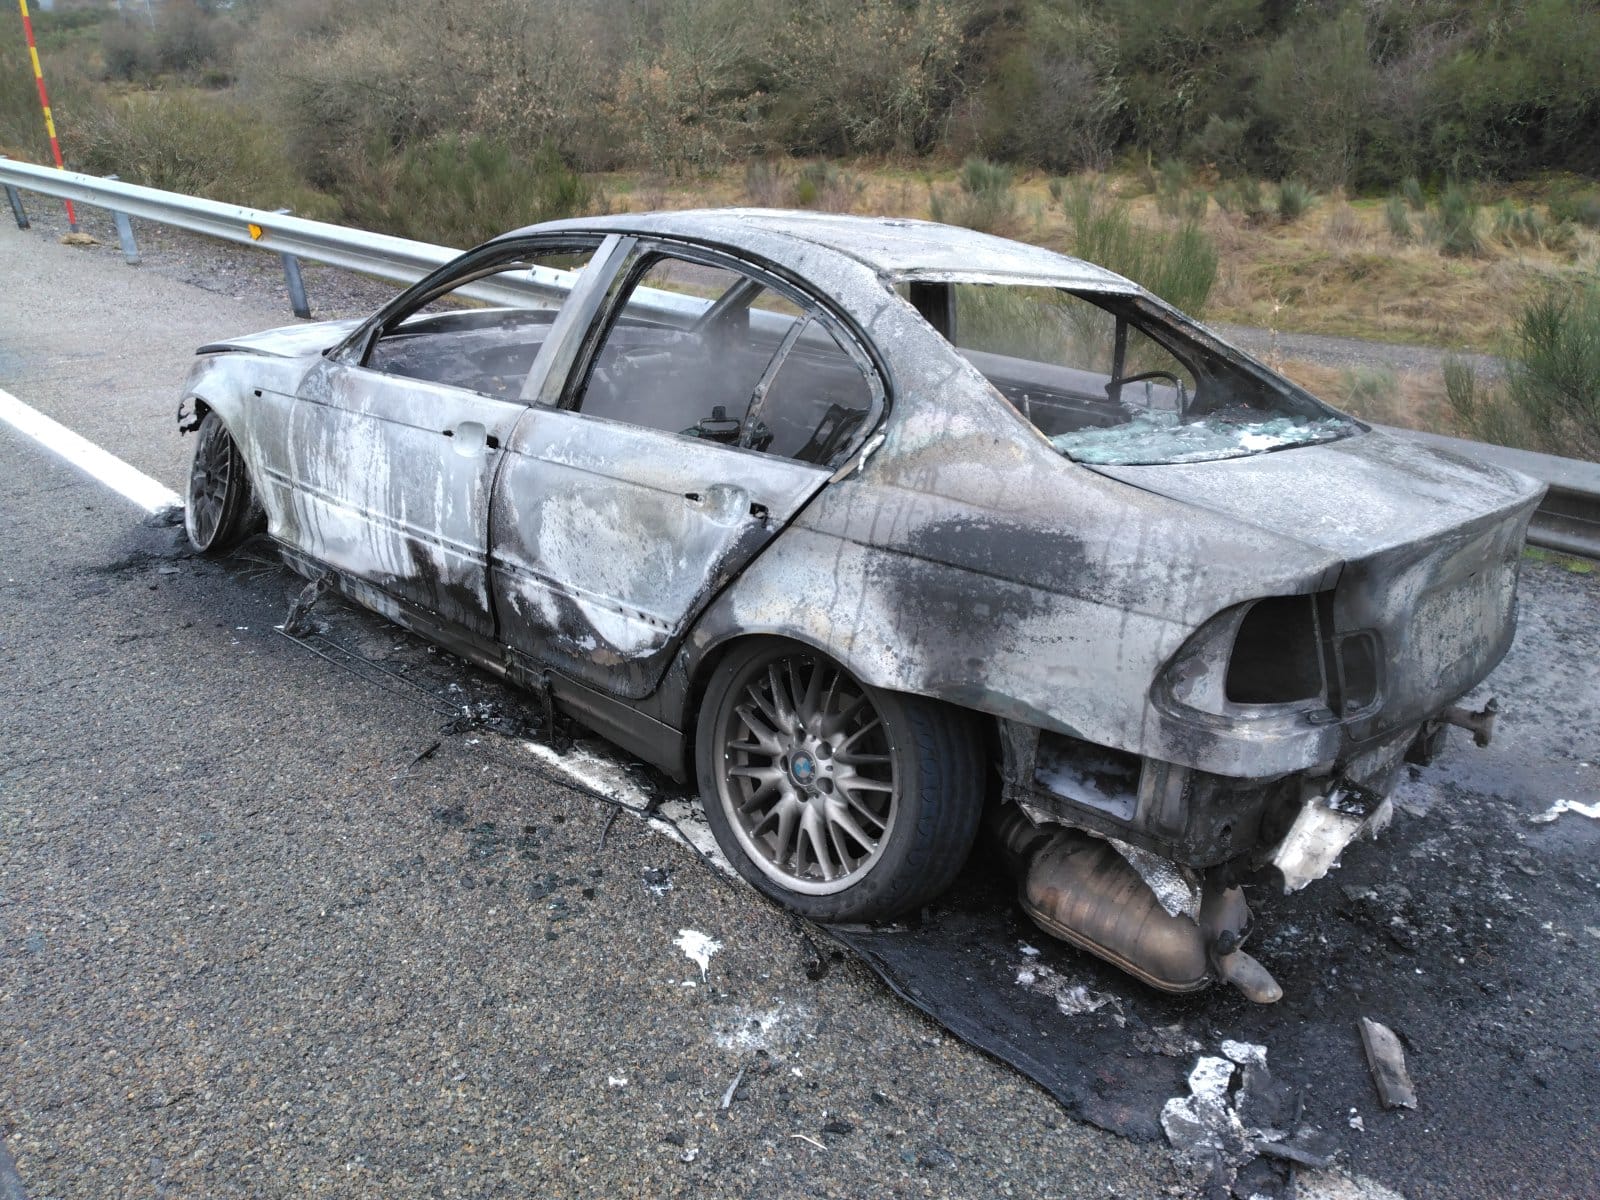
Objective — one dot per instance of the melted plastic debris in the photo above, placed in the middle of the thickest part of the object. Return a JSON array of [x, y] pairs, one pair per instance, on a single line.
[[1563, 806], [1177, 888], [697, 947], [1072, 998], [1152, 438]]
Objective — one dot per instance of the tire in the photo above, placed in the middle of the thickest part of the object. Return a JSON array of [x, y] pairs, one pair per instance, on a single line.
[[894, 818], [220, 510]]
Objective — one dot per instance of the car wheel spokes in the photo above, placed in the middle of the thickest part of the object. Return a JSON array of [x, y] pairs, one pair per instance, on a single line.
[[808, 775], [208, 485]]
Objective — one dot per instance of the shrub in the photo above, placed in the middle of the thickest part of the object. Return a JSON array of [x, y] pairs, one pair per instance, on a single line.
[[1453, 224], [1398, 219], [1553, 370], [1577, 208], [186, 142], [1411, 190], [1294, 200], [1550, 399], [766, 183], [1514, 226], [984, 200], [1244, 197], [127, 50], [1180, 266], [459, 191], [1343, 227], [1369, 389], [822, 185]]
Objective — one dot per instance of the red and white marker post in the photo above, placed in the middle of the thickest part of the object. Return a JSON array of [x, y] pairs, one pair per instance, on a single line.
[[44, 103]]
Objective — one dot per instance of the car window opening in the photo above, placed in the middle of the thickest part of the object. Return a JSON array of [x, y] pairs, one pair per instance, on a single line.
[[1107, 381], [483, 332], [704, 351]]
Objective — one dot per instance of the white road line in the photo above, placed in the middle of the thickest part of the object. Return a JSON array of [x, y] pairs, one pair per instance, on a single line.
[[86, 456]]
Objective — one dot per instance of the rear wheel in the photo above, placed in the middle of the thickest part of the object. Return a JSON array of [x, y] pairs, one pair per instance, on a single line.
[[220, 511], [844, 802]]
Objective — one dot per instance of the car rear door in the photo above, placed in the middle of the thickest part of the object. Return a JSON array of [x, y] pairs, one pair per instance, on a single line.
[[712, 404]]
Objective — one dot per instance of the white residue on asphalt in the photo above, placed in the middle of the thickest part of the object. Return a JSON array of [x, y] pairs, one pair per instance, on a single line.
[[747, 1029], [679, 817], [1566, 806], [1334, 1184], [1072, 998], [698, 947], [594, 771]]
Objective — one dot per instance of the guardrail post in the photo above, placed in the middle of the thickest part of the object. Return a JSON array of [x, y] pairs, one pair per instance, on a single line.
[[17, 210], [130, 248], [297, 285]]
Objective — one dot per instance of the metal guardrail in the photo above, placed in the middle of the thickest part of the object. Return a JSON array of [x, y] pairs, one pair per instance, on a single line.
[[1568, 521]]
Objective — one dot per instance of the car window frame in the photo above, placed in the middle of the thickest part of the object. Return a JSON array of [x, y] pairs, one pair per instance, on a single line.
[[356, 349], [643, 251]]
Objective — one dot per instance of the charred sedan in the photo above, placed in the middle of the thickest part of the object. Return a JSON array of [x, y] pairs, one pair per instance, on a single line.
[[868, 524]]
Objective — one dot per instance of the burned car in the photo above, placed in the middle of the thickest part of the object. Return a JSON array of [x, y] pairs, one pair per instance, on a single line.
[[869, 525]]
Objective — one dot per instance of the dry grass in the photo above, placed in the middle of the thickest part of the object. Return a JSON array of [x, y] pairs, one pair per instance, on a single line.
[[1335, 270], [1409, 399]]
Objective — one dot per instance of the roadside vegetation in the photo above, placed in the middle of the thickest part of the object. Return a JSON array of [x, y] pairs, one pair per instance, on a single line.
[[1421, 172]]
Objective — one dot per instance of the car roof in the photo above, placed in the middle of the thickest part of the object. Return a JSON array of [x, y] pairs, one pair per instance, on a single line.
[[895, 247]]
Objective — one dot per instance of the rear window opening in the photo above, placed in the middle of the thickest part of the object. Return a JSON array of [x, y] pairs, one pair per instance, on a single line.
[[1109, 379]]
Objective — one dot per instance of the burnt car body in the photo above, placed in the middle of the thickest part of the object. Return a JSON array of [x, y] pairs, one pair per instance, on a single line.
[[738, 491]]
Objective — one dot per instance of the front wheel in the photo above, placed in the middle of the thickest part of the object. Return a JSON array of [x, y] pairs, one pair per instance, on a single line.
[[841, 801], [221, 510]]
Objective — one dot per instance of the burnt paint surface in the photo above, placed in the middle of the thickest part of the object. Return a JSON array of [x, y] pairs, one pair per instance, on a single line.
[[962, 558]]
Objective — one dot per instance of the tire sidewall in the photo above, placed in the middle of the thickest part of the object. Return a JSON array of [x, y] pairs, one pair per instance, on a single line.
[[870, 898]]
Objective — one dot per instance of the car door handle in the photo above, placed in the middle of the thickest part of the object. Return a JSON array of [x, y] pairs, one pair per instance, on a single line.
[[471, 438], [727, 503]]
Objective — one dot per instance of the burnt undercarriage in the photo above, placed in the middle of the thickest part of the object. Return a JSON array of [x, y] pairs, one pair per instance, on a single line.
[[1142, 862]]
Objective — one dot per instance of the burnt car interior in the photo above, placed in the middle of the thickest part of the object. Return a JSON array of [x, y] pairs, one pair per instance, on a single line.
[[448, 338], [1075, 361], [747, 366]]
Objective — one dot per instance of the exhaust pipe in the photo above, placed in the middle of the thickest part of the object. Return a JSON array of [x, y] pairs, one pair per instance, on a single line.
[[1080, 889]]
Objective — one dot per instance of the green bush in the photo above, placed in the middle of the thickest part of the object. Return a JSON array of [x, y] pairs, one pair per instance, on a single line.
[[1453, 224], [1553, 370], [187, 142], [984, 200], [460, 191], [1244, 197], [1398, 219], [1519, 226], [1411, 190], [1576, 207], [1180, 266], [1295, 199], [1550, 398]]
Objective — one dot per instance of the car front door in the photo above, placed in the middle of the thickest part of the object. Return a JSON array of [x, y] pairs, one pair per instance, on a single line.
[[669, 463], [396, 439]]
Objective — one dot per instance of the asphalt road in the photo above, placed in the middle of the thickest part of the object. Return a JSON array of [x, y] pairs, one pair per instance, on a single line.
[[272, 925]]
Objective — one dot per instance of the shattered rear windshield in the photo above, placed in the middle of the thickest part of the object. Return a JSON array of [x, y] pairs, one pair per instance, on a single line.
[[1109, 380]]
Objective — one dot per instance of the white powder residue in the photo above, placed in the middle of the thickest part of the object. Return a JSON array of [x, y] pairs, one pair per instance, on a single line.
[[750, 1029], [697, 947]]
